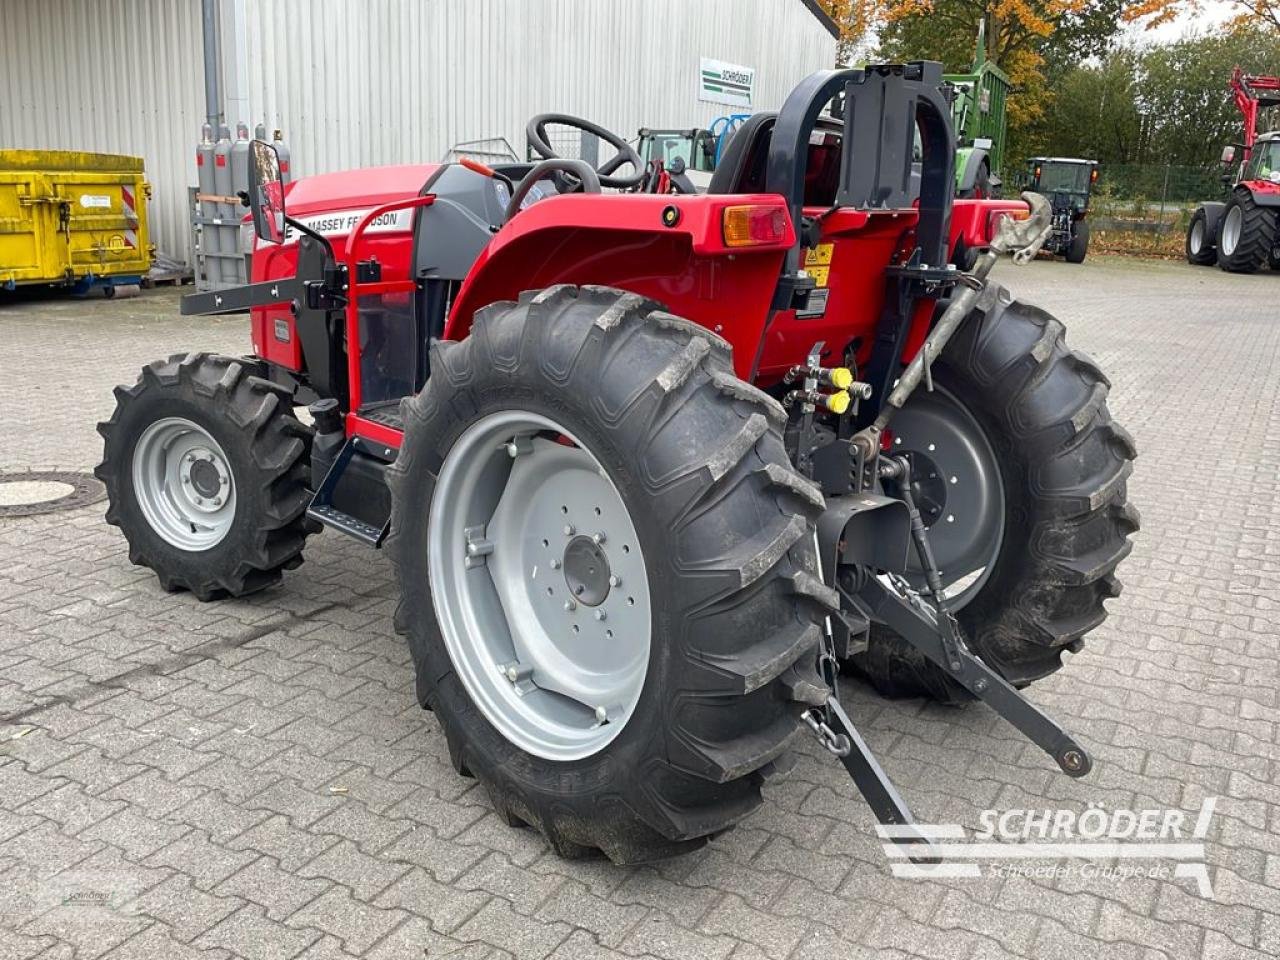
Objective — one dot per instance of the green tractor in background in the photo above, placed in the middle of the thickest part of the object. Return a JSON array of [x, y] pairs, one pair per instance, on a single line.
[[978, 113], [1067, 182]]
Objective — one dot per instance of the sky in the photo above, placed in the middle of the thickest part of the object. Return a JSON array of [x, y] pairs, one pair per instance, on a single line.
[[1212, 14]]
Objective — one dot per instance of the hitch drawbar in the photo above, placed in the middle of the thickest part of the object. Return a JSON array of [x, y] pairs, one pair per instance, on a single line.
[[928, 625], [890, 600]]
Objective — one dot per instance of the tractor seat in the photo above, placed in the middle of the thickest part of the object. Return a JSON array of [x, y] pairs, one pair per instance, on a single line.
[[742, 163]]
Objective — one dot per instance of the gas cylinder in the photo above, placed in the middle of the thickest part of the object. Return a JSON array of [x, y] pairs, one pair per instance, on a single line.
[[208, 209], [239, 185], [228, 227], [282, 150]]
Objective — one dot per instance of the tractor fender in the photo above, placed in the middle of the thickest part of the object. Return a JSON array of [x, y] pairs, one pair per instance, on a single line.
[[968, 161], [669, 248], [1265, 193], [1212, 214]]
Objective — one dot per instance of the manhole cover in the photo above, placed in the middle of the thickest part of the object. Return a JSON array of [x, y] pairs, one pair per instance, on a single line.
[[27, 494]]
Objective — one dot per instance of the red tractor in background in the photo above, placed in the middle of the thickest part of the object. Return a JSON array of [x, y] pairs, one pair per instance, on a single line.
[[653, 466], [1241, 233]]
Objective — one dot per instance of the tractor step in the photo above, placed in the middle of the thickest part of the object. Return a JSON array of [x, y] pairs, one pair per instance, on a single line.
[[323, 511], [330, 516]]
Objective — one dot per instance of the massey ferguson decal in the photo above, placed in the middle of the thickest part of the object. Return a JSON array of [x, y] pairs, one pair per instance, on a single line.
[[342, 222]]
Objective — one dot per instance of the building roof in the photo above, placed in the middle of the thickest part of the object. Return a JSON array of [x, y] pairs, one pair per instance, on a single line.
[[824, 18]]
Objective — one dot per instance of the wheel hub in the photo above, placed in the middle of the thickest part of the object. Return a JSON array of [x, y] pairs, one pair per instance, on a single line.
[[586, 571], [928, 487], [183, 484], [539, 585], [957, 487], [205, 479], [1232, 227]]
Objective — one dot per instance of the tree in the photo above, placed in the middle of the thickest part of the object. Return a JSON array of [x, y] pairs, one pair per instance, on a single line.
[[1096, 113], [1029, 39], [1184, 92], [1266, 12], [853, 17], [1160, 105]]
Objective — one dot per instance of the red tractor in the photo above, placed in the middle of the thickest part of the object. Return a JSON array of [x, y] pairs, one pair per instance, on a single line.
[[1241, 233], [653, 466]]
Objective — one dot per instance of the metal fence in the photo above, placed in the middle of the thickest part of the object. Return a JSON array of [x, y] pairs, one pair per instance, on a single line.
[[1159, 184]]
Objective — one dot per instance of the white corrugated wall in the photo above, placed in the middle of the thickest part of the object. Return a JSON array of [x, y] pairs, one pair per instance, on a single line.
[[363, 82], [111, 76]]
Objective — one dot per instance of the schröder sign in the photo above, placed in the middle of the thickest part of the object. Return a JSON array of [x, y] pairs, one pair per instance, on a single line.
[[731, 83]]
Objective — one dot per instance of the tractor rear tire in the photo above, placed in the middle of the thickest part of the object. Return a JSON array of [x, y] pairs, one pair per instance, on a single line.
[[1079, 245], [1246, 234], [725, 527], [1200, 247], [240, 430], [1064, 464]]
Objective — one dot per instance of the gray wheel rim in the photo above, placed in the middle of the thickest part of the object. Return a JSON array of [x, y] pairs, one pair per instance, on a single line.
[[1231, 227], [183, 484], [1197, 236], [539, 585], [959, 490]]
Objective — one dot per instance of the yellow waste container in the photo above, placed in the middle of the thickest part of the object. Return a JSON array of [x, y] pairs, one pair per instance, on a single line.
[[73, 219]]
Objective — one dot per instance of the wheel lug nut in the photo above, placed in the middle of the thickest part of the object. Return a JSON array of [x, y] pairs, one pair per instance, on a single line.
[[186, 480], [602, 714], [555, 564], [615, 581], [601, 615], [568, 530], [217, 501], [598, 537], [571, 604]]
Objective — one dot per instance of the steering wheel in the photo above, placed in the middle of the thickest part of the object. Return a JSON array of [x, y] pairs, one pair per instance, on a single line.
[[582, 174], [536, 131]]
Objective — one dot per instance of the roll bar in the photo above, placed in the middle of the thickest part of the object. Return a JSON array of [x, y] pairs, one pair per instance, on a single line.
[[882, 105]]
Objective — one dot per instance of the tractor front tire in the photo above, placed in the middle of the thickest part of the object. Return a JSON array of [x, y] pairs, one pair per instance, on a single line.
[[982, 184], [206, 474], [1079, 245], [1200, 247], [1246, 234], [703, 522], [1063, 465]]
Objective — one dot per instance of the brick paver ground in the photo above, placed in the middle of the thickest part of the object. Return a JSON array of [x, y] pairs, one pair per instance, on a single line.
[[252, 778]]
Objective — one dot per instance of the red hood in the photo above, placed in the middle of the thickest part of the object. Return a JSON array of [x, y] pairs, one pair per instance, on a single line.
[[356, 188]]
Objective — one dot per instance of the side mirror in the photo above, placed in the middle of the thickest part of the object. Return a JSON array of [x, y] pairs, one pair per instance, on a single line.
[[266, 192], [1228, 155]]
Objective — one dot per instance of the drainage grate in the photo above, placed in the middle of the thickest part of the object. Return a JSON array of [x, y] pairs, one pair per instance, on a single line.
[[35, 492]]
